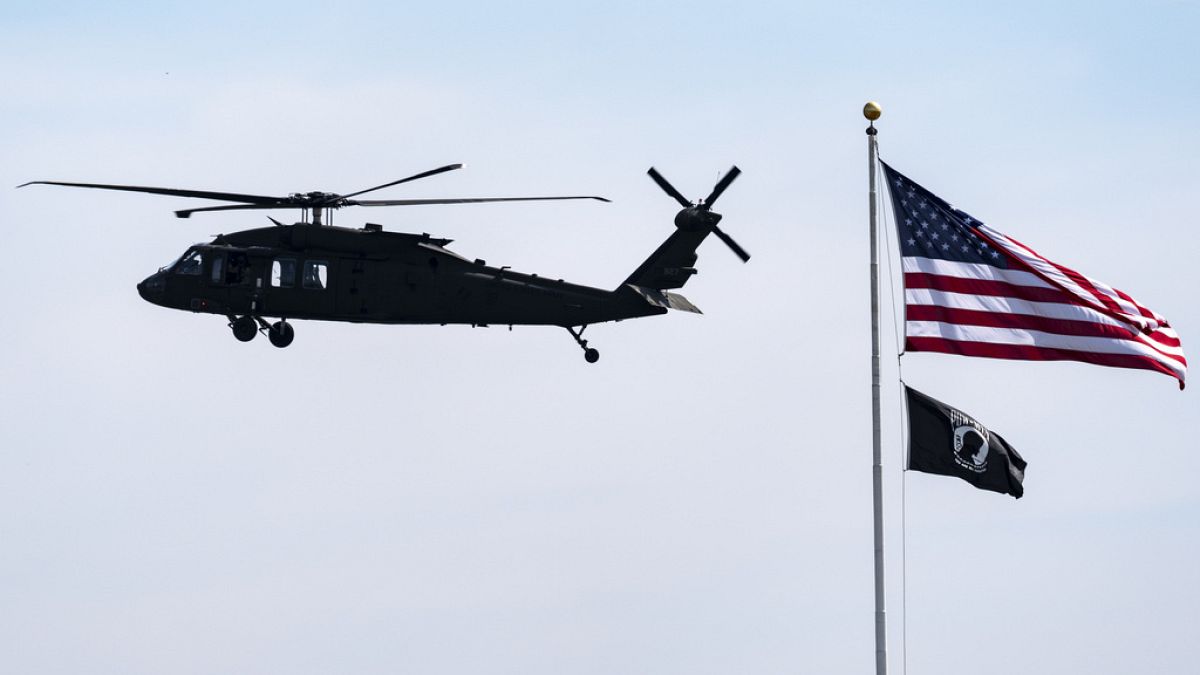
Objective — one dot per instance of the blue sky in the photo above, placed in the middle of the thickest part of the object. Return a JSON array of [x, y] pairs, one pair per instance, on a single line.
[[447, 500]]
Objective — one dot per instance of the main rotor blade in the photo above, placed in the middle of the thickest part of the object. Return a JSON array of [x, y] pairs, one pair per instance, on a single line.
[[668, 188], [737, 250], [200, 194], [466, 200], [721, 185], [187, 213], [426, 174]]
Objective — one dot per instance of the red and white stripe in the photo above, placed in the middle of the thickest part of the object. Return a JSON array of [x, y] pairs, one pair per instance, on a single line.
[[1089, 291], [1035, 310]]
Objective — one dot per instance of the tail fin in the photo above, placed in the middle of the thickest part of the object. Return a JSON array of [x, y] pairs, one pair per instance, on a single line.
[[672, 263]]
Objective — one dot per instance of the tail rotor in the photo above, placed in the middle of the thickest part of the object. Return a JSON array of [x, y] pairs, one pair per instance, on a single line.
[[696, 216]]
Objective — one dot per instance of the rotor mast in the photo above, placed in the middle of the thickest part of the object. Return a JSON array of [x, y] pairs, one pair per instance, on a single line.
[[316, 201]]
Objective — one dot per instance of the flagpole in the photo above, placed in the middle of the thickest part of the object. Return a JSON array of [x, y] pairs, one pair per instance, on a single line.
[[872, 112]]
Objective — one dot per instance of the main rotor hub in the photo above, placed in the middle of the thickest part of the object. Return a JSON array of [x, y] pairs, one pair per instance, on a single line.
[[314, 198]]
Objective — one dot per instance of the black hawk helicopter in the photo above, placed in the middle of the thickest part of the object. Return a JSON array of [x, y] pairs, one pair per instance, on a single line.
[[313, 270]]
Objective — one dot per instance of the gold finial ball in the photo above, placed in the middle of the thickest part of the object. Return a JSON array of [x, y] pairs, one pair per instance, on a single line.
[[872, 111]]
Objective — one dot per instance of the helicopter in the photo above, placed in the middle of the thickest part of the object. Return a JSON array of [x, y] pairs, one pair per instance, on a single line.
[[314, 270]]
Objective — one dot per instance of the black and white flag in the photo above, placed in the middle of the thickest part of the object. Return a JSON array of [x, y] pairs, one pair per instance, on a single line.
[[946, 441]]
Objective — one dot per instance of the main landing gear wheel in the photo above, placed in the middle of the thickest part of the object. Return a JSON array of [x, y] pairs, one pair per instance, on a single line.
[[589, 354], [244, 328], [281, 334]]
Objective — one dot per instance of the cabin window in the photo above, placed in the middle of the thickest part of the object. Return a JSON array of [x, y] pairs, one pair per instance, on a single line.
[[283, 273], [316, 274], [235, 271], [190, 263], [218, 267]]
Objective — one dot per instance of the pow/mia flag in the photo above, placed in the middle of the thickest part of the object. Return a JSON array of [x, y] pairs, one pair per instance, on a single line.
[[944, 440]]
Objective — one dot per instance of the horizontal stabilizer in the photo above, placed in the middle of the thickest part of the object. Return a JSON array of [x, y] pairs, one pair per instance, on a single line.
[[665, 299]]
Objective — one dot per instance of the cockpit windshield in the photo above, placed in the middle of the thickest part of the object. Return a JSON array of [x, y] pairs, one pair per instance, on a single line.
[[188, 263]]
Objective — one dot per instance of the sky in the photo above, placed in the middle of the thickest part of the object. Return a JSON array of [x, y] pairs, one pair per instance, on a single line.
[[382, 499]]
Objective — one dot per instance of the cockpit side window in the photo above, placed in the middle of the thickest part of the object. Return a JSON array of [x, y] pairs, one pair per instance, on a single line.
[[191, 263], [316, 274], [283, 273]]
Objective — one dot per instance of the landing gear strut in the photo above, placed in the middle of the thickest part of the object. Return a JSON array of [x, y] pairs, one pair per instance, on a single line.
[[590, 355]]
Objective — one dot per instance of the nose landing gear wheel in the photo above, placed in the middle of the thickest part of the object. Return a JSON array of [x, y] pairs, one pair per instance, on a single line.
[[244, 328], [281, 334], [591, 355]]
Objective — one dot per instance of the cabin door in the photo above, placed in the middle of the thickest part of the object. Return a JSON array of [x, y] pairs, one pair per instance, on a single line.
[[300, 288]]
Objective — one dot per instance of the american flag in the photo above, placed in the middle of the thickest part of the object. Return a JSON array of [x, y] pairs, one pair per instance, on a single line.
[[973, 291]]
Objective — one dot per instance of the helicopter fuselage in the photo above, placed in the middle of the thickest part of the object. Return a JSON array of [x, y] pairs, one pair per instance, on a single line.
[[307, 271]]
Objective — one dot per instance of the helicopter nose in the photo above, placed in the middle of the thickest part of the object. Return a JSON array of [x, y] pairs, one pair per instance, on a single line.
[[152, 287]]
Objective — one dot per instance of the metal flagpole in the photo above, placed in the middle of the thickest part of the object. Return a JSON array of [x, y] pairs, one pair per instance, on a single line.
[[872, 112]]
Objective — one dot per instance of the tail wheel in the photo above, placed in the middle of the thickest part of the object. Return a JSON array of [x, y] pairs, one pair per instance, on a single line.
[[589, 354], [281, 334]]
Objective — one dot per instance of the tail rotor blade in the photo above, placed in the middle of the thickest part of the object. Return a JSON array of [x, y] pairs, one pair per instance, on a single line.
[[733, 245], [668, 188], [721, 185]]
